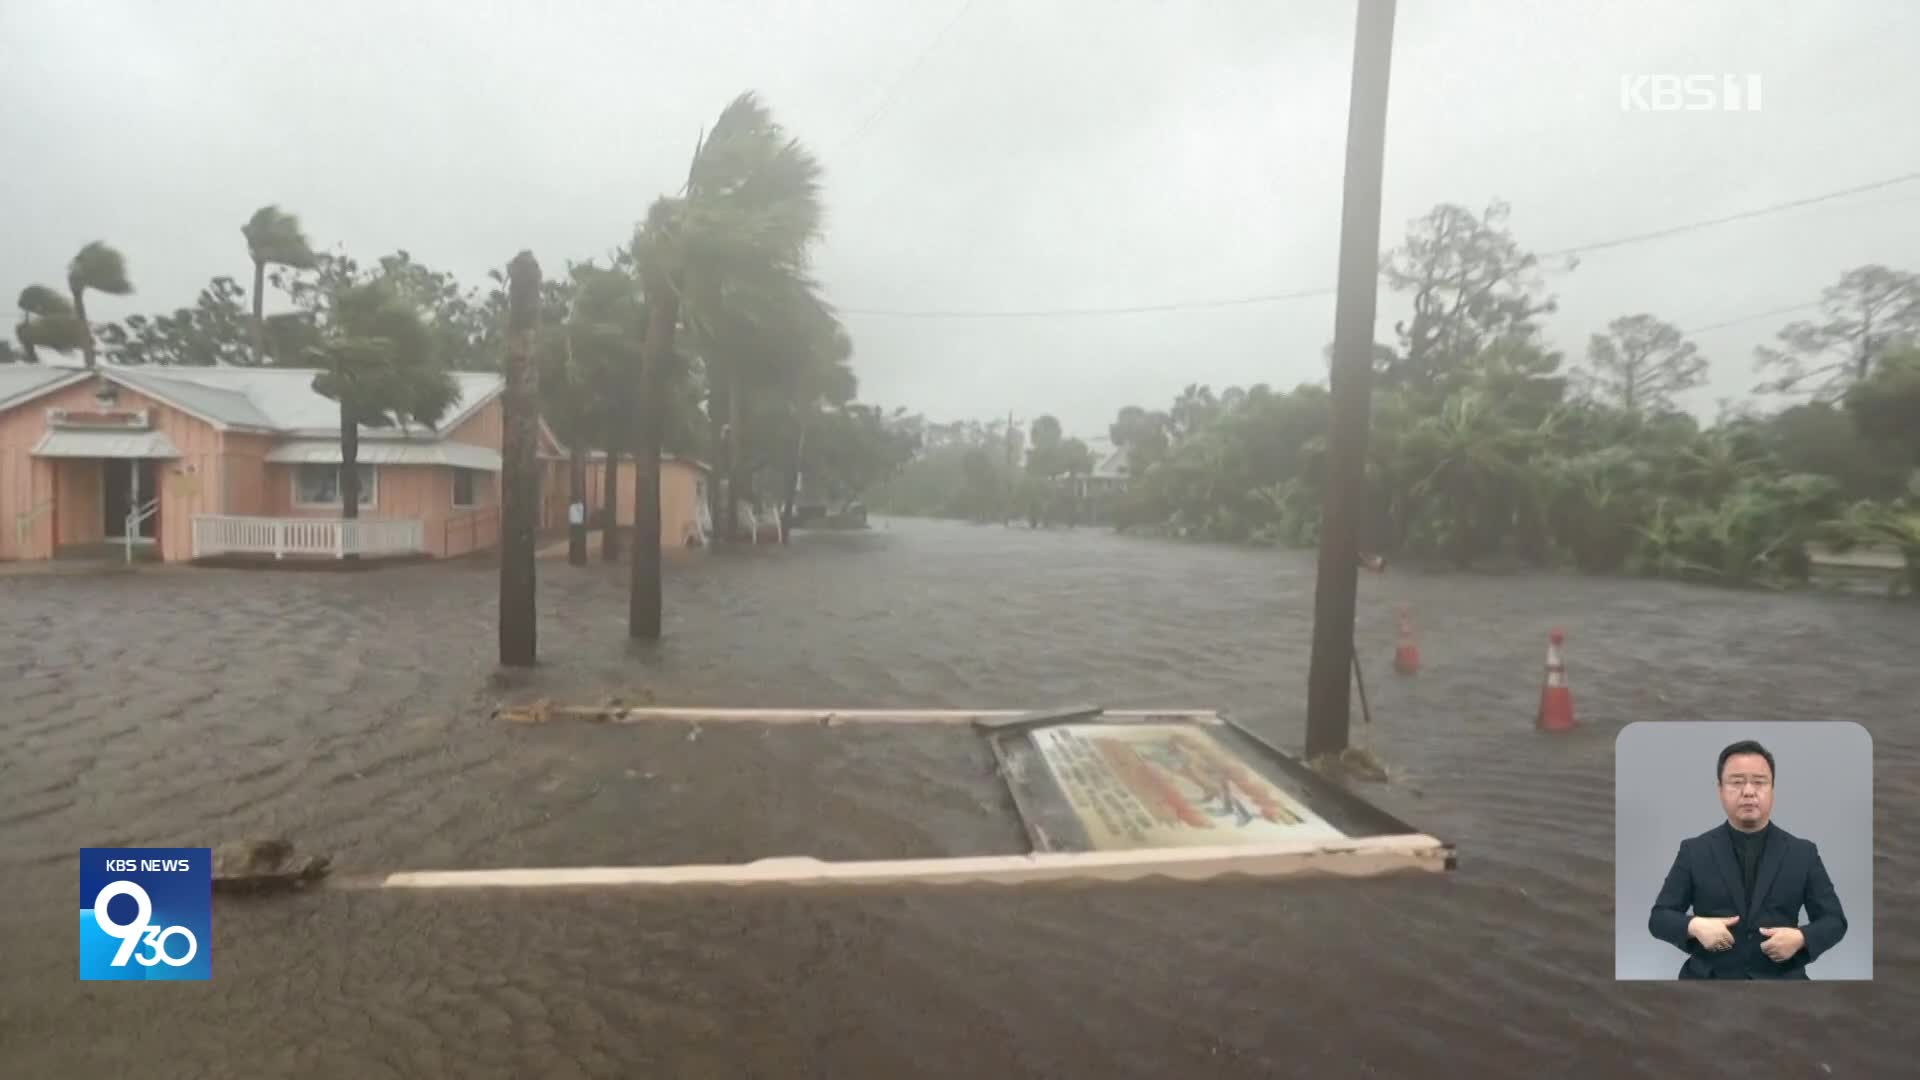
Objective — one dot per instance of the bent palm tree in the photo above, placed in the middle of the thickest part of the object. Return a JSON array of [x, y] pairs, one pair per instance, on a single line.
[[47, 321], [735, 241], [273, 238], [101, 269], [376, 362]]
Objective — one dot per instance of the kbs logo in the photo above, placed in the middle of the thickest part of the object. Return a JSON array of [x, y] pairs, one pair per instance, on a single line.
[[146, 913], [1689, 93]]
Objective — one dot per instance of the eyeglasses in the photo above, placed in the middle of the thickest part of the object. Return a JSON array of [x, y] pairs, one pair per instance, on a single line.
[[1735, 783]]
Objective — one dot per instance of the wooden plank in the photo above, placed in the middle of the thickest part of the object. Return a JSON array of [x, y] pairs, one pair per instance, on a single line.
[[1364, 857], [1024, 721], [542, 712]]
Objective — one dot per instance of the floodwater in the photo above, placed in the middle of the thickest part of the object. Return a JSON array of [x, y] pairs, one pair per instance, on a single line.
[[351, 713]]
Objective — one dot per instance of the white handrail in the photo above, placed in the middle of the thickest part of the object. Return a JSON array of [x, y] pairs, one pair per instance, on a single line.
[[137, 517]]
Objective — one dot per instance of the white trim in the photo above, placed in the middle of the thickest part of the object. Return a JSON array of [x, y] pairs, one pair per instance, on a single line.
[[373, 489], [105, 443], [447, 426], [560, 448], [388, 452], [59, 383]]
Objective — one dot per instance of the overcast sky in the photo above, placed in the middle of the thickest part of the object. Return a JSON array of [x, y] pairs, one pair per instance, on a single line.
[[988, 156]]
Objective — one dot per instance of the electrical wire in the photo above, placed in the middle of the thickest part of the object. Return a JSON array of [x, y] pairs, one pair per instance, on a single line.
[[1303, 294]]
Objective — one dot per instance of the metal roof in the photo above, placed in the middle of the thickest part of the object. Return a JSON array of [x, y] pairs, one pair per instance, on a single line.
[[278, 399], [25, 380], [221, 405], [69, 443], [388, 452]]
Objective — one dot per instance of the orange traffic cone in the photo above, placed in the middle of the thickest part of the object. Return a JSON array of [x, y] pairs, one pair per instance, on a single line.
[[1556, 701], [1406, 657]]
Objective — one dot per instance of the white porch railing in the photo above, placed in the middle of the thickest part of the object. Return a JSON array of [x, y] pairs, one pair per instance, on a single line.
[[222, 534]]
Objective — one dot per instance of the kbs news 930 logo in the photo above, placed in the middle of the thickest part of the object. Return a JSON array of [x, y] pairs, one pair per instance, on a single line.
[[146, 913]]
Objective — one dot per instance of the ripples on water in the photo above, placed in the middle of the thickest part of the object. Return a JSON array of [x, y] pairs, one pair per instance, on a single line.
[[351, 712]]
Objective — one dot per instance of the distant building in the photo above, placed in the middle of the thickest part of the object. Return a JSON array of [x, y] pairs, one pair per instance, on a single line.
[[184, 463], [1110, 474]]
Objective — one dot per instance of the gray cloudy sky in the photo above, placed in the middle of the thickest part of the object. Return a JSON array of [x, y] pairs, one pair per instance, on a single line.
[[1040, 155]]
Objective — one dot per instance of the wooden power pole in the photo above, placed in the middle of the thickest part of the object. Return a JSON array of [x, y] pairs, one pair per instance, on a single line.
[[1328, 680], [1006, 512], [520, 489]]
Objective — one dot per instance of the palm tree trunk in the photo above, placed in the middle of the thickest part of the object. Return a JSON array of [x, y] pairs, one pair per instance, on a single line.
[[718, 491], [793, 480], [644, 600], [349, 478], [577, 496], [519, 629], [259, 312], [610, 492], [86, 329], [1329, 684], [734, 488]]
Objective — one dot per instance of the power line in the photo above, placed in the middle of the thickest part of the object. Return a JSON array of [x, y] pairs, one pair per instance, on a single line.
[[908, 73], [1049, 313], [1304, 294], [1744, 215], [1755, 317]]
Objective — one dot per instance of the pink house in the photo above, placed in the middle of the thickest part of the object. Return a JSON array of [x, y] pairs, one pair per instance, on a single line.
[[183, 463]]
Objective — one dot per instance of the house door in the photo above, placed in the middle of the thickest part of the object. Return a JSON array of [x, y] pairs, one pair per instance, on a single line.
[[128, 481]]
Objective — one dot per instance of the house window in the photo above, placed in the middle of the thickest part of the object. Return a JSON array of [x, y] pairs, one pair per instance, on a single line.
[[463, 488], [319, 485]]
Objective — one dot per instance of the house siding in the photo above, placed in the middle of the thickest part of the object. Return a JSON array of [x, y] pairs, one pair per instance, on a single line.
[[76, 484], [679, 497], [223, 472], [243, 475]]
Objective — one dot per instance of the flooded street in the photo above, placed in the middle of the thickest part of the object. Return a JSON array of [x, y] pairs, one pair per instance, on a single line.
[[350, 712]]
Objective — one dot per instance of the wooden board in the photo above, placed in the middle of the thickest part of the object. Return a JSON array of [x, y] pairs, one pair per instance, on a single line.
[[1362, 857], [1333, 831], [1169, 785], [545, 712]]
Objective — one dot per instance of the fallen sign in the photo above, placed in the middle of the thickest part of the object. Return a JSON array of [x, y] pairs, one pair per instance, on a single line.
[[1105, 796]]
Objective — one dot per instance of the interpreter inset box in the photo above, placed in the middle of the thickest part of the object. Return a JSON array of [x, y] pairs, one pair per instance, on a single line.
[[1743, 851]]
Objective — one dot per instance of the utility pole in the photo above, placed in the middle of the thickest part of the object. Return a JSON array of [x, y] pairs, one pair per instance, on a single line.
[[1006, 511], [1337, 582]]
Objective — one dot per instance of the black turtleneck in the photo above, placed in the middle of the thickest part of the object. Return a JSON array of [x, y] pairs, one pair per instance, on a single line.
[[1748, 847]]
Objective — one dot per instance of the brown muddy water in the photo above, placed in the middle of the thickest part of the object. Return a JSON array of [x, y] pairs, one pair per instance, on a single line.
[[350, 712]]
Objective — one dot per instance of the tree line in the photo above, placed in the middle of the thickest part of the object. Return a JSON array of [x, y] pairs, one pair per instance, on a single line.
[[1488, 443], [702, 334]]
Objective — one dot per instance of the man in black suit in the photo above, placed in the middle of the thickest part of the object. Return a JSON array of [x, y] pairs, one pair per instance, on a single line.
[[1745, 882]]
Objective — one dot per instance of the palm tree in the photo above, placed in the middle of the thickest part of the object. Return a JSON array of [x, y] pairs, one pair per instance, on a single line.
[[518, 628], [764, 362], [273, 237], [376, 361], [735, 240], [1476, 464], [101, 269], [592, 341], [825, 379], [605, 326], [47, 321]]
